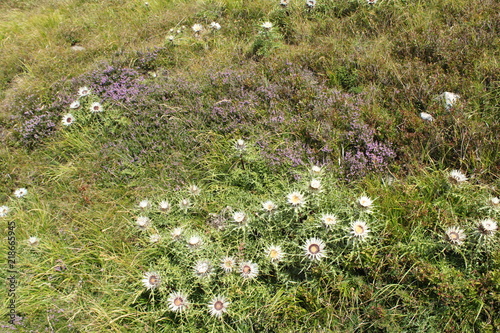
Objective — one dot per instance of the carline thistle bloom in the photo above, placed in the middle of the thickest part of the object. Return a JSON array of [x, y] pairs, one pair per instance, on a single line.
[[296, 199], [177, 302], [194, 190], [4, 210], [329, 220], [269, 206], [426, 116], [75, 105], [218, 306], [143, 222], [215, 26], [83, 91], [67, 119], [151, 280], [20, 192], [202, 268], [228, 264], [316, 170], [240, 145], [494, 202], [267, 25], [455, 235], [184, 204], [284, 3], [311, 3], [96, 107], [33, 241], [359, 230], [197, 28], [457, 177], [144, 204], [275, 253], [314, 249], [164, 206], [249, 270], [177, 233], [240, 218], [487, 227], [154, 238], [365, 202], [315, 185], [194, 241]]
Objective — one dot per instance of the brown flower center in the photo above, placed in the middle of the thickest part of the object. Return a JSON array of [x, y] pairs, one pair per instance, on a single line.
[[69, 119], [359, 229], [154, 280], [314, 248], [454, 235], [178, 301], [96, 108], [247, 269], [218, 305], [273, 253]]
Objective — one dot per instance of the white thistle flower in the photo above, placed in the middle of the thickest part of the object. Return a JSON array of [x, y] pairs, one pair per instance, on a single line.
[[151, 280], [75, 105], [20, 192], [455, 235], [426, 116], [4, 210], [267, 25]]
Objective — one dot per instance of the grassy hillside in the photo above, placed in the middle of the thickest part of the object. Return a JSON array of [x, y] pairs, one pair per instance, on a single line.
[[250, 166]]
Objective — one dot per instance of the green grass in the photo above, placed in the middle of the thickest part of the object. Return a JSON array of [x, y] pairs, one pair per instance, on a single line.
[[386, 63]]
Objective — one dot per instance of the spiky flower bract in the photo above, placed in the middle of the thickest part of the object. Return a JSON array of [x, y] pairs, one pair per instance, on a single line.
[[359, 230], [455, 235], [151, 280], [249, 270], [314, 249], [218, 306], [164, 206], [177, 302]]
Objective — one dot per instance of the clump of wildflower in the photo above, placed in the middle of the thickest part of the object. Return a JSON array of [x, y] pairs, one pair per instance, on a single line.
[[83, 91], [359, 230], [228, 264], [194, 190], [215, 26], [177, 302], [75, 105], [164, 206], [218, 306], [20, 192], [275, 253], [455, 235], [487, 227], [202, 268], [143, 222], [457, 177], [4, 210], [296, 199], [249, 270], [67, 119], [314, 249], [329, 220], [151, 280], [33, 241], [96, 107]]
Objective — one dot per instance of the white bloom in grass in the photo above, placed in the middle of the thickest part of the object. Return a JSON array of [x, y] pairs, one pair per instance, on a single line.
[[240, 218], [494, 202], [240, 145], [228, 264], [144, 204], [329, 220], [314, 249], [449, 99], [249, 270], [457, 177], [315, 185], [67, 119], [185, 204], [296, 199], [20, 192], [218, 306], [83, 91], [194, 190], [316, 170], [154, 238], [359, 230], [269, 206], [4, 210], [365, 202], [455, 235], [284, 3], [426, 116], [311, 3], [177, 233], [75, 105], [371, 2], [215, 26], [33, 241], [177, 302], [170, 38], [194, 241], [96, 107], [164, 206], [197, 28], [275, 253], [143, 222], [151, 280], [267, 25], [202, 268], [487, 227]]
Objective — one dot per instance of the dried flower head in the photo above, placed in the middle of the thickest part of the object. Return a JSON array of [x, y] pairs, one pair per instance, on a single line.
[[314, 249], [177, 302], [151, 280], [455, 235]]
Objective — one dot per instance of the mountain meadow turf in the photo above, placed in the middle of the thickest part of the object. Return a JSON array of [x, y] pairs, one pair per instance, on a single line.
[[250, 166]]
